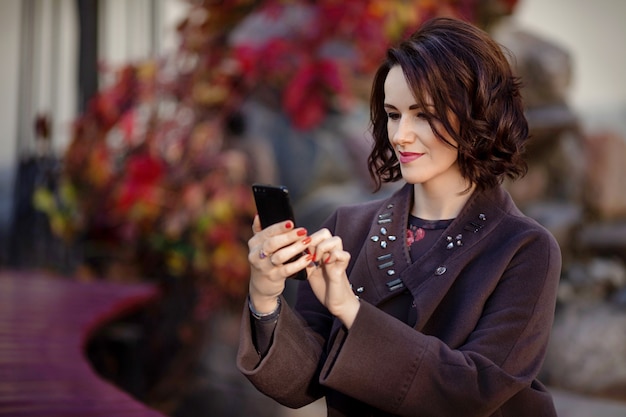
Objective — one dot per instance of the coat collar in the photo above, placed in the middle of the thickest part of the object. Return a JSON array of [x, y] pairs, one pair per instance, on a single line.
[[387, 254]]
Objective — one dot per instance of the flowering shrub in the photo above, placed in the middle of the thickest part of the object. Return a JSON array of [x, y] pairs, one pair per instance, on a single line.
[[151, 175]]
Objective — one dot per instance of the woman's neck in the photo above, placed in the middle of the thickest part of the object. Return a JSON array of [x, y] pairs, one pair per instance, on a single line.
[[439, 204]]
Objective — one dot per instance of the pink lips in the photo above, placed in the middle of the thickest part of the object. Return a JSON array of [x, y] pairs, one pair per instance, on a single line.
[[406, 157]]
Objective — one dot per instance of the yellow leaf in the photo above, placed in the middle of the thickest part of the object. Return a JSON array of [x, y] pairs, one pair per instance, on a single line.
[[43, 200]]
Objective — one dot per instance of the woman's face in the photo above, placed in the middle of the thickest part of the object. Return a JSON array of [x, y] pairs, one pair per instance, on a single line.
[[424, 158]]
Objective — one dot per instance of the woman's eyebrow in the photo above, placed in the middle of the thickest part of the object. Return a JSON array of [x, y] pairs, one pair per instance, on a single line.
[[411, 107]]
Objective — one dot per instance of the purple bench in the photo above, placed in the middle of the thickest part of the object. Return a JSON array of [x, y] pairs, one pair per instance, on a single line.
[[45, 324]]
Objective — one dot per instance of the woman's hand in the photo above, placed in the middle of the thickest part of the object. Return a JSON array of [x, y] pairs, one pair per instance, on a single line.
[[328, 279], [326, 263], [269, 249]]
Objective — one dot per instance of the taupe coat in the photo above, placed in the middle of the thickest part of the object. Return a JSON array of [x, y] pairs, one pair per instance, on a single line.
[[485, 297]]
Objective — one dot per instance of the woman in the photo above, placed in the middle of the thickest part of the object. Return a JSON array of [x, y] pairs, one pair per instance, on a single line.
[[439, 300]]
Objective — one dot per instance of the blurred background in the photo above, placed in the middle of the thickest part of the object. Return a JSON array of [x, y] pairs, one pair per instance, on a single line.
[[130, 132]]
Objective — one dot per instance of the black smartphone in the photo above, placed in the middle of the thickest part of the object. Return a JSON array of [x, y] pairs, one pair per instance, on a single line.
[[274, 206]]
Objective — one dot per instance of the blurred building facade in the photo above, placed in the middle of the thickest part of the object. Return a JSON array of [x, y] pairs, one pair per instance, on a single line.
[[51, 51]]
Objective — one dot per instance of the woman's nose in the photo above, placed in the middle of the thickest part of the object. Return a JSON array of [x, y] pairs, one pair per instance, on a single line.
[[403, 132]]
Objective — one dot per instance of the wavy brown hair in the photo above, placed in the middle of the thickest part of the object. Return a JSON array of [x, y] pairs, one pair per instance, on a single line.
[[465, 75]]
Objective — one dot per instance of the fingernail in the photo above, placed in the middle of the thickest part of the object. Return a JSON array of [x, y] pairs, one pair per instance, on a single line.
[[301, 232], [307, 240], [327, 259], [289, 225], [308, 258]]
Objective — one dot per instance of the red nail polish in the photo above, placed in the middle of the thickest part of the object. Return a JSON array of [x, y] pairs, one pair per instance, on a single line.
[[327, 259], [289, 225], [307, 240], [301, 232], [308, 258]]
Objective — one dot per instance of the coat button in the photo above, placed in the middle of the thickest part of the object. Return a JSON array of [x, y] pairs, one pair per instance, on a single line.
[[441, 270]]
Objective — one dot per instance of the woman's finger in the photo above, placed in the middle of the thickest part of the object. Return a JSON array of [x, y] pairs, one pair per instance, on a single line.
[[256, 224], [286, 245], [335, 256], [326, 246], [261, 236]]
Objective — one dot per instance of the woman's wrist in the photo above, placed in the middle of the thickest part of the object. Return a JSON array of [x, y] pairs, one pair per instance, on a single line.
[[349, 312], [264, 308]]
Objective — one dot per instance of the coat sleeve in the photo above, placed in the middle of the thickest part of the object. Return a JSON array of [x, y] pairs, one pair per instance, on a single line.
[[385, 363], [289, 372]]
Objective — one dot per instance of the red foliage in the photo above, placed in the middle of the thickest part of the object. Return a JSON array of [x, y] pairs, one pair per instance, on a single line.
[[141, 183]]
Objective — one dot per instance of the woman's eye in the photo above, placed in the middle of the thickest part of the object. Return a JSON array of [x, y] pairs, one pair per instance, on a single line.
[[393, 116], [422, 116]]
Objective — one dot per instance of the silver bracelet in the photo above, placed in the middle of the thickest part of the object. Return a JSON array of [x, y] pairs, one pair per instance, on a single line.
[[264, 316]]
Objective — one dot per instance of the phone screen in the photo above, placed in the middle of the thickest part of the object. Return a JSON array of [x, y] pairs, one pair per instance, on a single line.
[[272, 203]]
